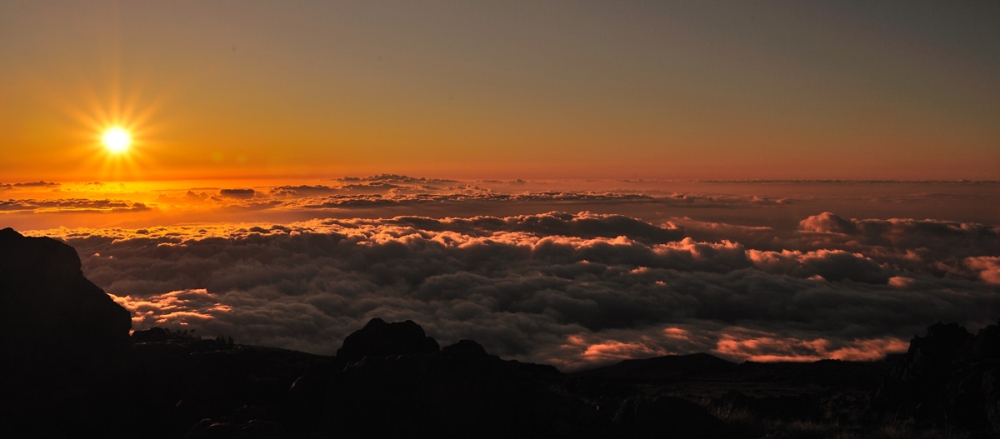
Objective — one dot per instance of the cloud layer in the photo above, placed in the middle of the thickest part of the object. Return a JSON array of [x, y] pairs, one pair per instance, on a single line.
[[574, 290]]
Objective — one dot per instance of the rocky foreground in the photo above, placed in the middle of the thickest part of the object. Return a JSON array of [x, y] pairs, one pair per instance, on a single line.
[[71, 369]]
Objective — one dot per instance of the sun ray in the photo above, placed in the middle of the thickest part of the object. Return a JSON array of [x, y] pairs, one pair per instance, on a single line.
[[115, 131]]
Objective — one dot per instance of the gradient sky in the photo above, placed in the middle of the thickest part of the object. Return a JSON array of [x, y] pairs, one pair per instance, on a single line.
[[238, 89]]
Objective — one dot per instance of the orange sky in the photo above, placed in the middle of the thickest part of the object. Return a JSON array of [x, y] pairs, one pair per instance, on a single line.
[[500, 90]]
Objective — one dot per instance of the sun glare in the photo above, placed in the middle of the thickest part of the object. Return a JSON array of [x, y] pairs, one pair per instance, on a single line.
[[117, 140]]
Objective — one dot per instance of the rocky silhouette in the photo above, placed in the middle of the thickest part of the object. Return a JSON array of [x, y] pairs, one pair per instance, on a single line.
[[48, 309], [948, 378], [64, 341], [379, 339], [459, 393], [71, 369]]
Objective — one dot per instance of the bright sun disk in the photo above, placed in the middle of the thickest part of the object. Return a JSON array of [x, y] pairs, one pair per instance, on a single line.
[[116, 140]]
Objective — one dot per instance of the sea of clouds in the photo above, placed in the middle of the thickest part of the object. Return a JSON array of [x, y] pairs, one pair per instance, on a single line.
[[571, 288]]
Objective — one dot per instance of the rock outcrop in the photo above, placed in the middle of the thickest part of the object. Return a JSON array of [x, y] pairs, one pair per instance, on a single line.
[[379, 339], [390, 380], [947, 378], [403, 385], [64, 341], [49, 310]]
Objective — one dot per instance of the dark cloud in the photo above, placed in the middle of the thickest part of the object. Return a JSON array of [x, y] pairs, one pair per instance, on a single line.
[[36, 184], [189, 198], [568, 289], [907, 233], [237, 193], [303, 190], [394, 178], [833, 265], [940, 248], [64, 205], [376, 187]]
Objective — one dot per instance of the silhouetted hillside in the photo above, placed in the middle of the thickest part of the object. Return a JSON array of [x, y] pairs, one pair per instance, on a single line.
[[64, 341]]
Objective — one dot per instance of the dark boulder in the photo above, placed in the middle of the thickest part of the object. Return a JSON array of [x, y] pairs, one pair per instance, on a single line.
[[379, 339]]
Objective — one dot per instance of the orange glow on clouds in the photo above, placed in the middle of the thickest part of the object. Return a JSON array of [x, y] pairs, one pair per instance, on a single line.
[[173, 308], [621, 350], [731, 343], [987, 266], [740, 344]]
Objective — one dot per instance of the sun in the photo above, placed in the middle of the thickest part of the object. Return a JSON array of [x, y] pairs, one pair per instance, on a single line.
[[116, 139]]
